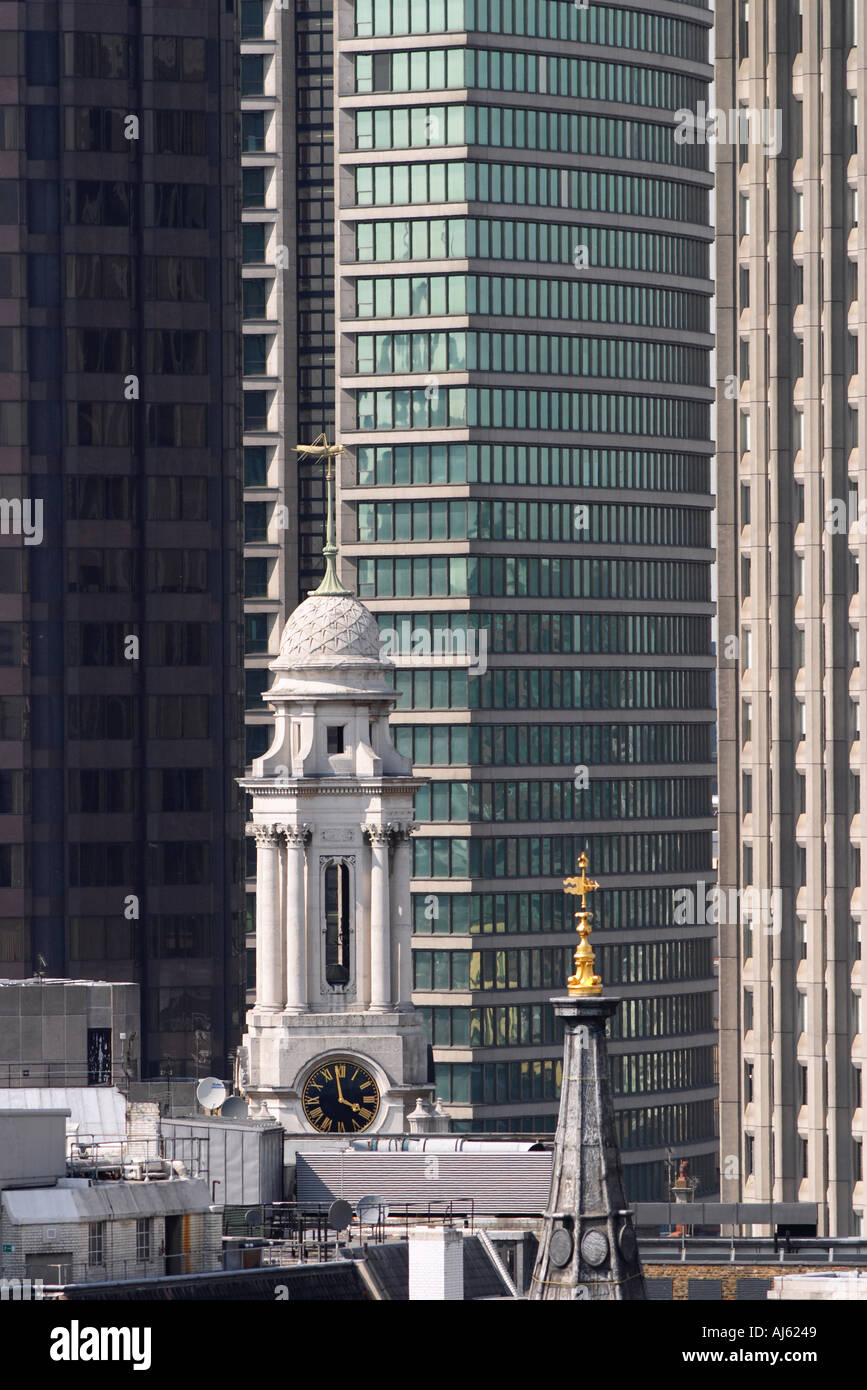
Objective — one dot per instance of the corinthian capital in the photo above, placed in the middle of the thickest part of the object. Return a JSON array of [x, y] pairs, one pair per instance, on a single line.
[[266, 835], [402, 829], [297, 834], [376, 834]]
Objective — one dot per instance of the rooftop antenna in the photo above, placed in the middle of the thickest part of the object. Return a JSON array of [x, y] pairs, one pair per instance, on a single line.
[[320, 448]]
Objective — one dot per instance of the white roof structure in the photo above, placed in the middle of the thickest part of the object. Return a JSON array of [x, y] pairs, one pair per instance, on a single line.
[[97, 1112], [40, 981], [75, 1200]]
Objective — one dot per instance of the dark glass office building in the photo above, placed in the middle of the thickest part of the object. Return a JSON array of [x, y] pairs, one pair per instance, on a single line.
[[120, 429], [523, 337]]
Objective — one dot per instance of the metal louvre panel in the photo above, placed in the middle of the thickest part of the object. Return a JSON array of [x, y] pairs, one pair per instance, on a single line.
[[705, 1290], [726, 1213], [507, 1184]]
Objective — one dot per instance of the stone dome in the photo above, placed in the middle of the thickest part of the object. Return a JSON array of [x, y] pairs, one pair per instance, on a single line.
[[330, 629]]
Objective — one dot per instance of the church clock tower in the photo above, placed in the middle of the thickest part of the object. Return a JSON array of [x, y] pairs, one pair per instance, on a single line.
[[333, 1044]]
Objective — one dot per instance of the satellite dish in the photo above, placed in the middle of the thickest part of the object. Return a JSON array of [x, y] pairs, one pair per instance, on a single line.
[[371, 1210], [235, 1108], [210, 1093], [339, 1215]]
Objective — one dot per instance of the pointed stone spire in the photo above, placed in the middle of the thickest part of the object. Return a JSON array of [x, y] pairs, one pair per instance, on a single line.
[[587, 1248], [320, 448]]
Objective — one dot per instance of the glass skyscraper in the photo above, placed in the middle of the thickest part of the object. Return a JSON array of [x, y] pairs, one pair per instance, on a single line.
[[523, 334]]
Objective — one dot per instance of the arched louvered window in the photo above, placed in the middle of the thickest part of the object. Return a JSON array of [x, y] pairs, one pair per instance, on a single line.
[[337, 902]]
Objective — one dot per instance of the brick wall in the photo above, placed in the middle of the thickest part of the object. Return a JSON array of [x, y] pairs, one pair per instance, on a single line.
[[728, 1275], [436, 1264], [119, 1251]]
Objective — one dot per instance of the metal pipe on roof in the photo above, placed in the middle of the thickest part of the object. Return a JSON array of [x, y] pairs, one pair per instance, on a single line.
[[444, 1145]]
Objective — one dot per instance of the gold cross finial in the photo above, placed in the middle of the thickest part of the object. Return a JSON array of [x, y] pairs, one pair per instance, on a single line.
[[320, 448], [582, 885], [584, 981]]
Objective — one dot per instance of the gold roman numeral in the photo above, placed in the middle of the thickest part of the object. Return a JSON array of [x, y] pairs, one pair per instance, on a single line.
[[326, 1124], [340, 1072]]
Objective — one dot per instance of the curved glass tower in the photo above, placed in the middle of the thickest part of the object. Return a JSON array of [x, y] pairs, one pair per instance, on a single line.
[[523, 333]]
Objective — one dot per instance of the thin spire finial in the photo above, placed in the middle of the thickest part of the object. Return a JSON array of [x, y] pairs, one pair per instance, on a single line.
[[320, 448]]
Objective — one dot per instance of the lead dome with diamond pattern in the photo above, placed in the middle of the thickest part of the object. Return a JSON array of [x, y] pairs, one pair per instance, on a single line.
[[328, 629]]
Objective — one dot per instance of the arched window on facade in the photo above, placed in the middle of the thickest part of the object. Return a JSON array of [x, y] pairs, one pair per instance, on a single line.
[[337, 904]]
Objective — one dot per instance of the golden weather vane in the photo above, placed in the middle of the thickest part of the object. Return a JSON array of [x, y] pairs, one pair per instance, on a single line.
[[584, 981], [320, 448]]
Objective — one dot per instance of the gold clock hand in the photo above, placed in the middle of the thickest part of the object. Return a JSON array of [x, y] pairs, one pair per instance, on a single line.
[[342, 1098]]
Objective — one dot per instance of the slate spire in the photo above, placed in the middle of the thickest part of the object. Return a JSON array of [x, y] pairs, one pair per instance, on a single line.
[[587, 1248]]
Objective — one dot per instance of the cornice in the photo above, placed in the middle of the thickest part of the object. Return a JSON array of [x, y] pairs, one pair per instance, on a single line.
[[303, 788]]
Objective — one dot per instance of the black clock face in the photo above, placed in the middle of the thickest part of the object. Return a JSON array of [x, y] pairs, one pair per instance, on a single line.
[[340, 1097]]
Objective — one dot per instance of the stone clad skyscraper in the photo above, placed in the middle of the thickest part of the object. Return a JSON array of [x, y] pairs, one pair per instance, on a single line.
[[792, 262]]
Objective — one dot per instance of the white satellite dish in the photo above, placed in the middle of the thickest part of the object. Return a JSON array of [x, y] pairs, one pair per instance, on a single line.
[[235, 1108], [371, 1210], [210, 1093]]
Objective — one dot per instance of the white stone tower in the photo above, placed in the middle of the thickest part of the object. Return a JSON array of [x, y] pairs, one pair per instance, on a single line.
[[333, 1044]]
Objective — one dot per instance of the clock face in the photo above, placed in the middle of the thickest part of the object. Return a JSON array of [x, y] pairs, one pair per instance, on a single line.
[[340, 1097]]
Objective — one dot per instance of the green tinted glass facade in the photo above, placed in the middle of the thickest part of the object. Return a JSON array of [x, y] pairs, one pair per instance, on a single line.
[[523, 395]]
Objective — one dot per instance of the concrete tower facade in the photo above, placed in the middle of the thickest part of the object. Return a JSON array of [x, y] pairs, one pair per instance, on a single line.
[[792, 614]]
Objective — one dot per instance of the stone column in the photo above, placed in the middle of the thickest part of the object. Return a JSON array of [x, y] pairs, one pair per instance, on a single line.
[[269, 954], [380, 926], [296, 919], [401, 914]]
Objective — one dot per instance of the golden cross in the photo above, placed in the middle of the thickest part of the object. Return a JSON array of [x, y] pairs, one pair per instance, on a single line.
[[582, 885], [319, 448]]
